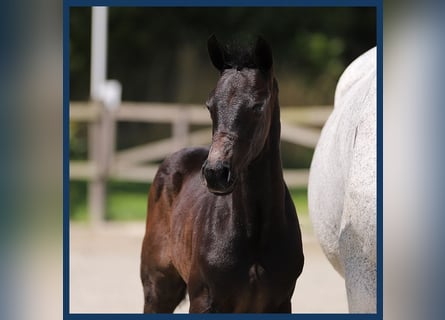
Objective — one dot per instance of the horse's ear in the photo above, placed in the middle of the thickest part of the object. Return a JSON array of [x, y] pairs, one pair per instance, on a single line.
[[216, 52], [263, 54]]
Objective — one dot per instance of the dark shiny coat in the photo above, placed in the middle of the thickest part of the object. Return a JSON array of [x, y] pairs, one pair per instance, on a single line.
[[220, 222]]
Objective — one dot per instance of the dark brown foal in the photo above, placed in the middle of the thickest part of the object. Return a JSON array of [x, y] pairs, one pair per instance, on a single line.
[[221, 224]]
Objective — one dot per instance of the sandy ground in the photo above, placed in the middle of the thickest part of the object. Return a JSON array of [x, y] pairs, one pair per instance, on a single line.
[[104, 272]]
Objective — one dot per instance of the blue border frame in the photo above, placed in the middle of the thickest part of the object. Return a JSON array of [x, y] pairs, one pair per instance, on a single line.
[[380, 159], [222, 3], [66, 159], [67, 4]]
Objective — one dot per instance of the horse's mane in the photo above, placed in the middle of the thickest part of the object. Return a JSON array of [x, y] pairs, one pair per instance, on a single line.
[[239, 56]]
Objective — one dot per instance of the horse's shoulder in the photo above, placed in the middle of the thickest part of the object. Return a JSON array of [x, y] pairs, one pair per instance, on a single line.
[[175, 168], [183, 161]]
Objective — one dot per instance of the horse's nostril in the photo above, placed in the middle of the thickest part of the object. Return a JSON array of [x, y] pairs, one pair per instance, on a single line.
[[218, 175], [225, 165], [226, 170], [223, 170], [229, 176], [225, 173]]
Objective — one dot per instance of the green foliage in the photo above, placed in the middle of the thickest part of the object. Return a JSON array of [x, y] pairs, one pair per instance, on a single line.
[[78, 200], [127, 206], [125, 201], [78, 141], [80, 46], [299, 196], [295, 156], [160, 54]]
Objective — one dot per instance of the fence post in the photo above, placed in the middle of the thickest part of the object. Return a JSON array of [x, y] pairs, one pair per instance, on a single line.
[[96, 186], [102, 137]]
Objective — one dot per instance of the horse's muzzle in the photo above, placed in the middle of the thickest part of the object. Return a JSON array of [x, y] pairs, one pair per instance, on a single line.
[[218, 177]]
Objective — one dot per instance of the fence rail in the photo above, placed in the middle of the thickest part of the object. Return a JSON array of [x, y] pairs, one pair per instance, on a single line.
[[299, 125]]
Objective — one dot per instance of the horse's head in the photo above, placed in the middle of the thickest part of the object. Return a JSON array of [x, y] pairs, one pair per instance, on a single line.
[[241, 110]]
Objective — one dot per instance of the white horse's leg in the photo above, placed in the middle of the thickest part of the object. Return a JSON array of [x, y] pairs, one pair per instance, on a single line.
[[360, 274], [357, 243]]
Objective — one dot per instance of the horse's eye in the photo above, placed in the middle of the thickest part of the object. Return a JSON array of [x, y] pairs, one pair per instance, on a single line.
[[258, 107]]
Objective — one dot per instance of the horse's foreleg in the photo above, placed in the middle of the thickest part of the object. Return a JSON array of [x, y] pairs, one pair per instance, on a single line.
[[360, 281], [163, 290], [163, 286], [285, 307], [360, 272]]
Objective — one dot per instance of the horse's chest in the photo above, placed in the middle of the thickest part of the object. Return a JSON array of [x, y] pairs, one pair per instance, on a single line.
[[243, 269], [262, 289], [235, 253], [256, 274]]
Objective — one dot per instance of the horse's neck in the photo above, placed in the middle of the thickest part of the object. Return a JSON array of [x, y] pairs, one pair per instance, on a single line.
[[259, 201], [267, 166]]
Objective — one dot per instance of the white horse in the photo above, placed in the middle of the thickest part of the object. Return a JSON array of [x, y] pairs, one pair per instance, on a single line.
[[342, 183]]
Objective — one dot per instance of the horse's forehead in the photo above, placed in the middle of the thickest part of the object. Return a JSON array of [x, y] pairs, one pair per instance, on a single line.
[[245, 84]]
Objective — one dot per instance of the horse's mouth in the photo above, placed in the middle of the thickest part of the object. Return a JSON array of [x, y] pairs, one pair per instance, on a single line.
[[222, 190]]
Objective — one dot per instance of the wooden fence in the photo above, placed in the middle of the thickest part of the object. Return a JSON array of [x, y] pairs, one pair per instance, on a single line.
[[299, 125]]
